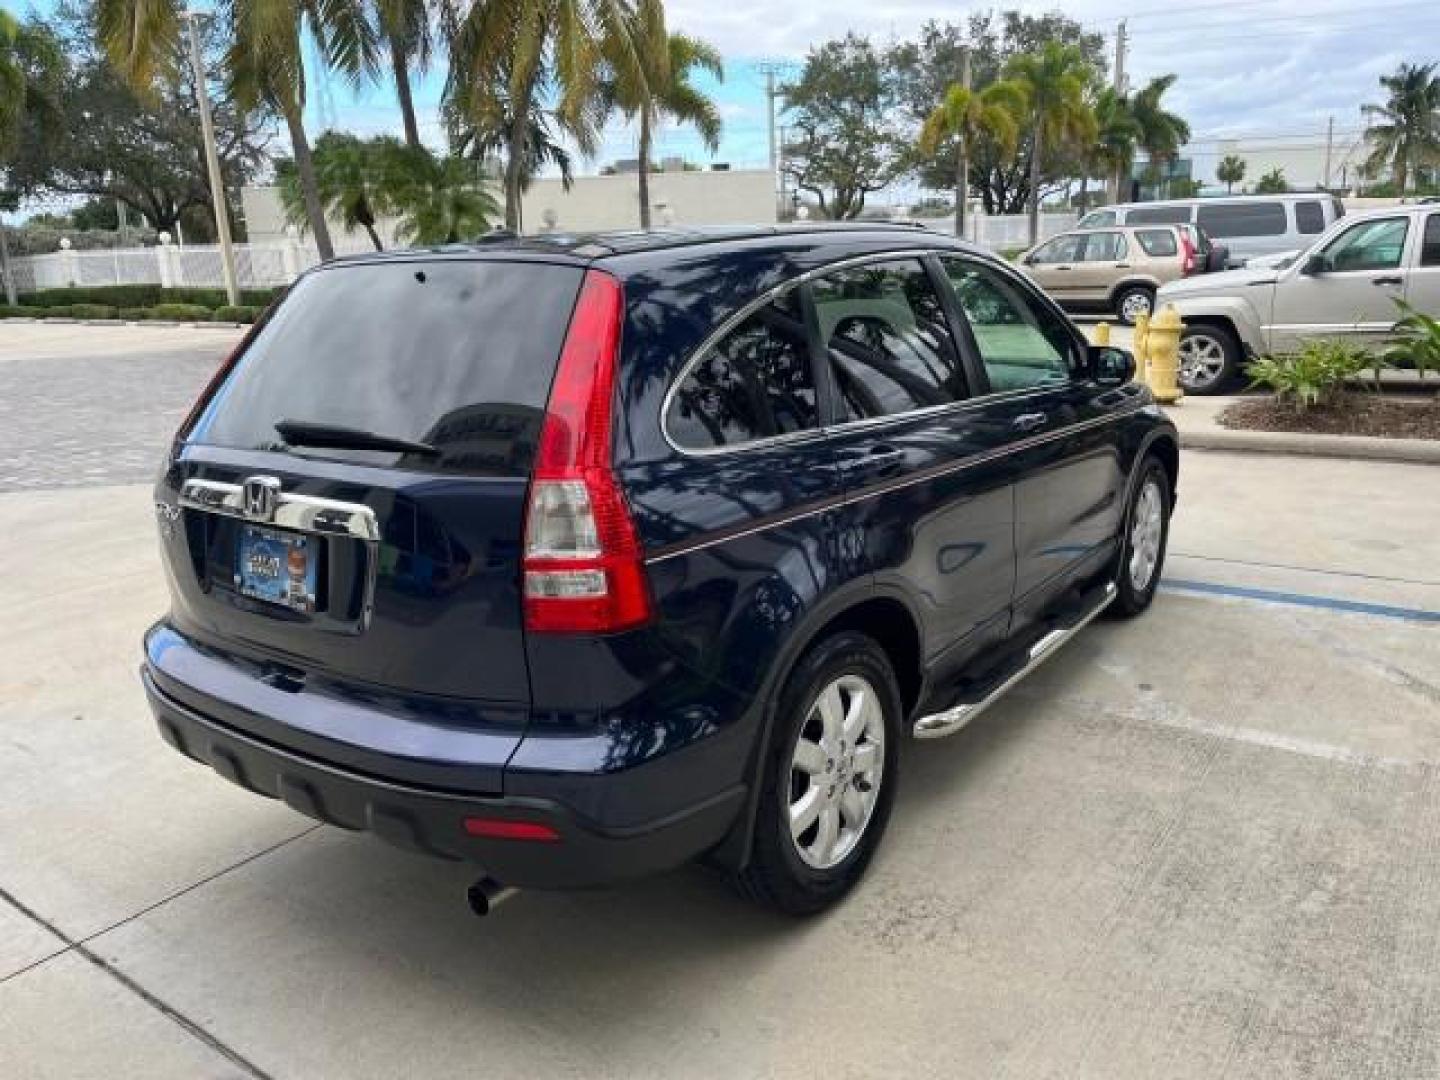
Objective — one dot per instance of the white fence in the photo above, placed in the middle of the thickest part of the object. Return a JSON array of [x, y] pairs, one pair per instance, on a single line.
[[278, 262]]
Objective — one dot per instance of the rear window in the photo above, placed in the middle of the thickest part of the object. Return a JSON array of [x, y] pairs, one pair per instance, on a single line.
[[455, 353], [1158, 215], [1243, 219], [1157, 242], [1309, 217]]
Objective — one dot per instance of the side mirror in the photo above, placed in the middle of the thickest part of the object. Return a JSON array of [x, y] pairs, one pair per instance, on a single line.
[[1316, 264], [1110, 366]]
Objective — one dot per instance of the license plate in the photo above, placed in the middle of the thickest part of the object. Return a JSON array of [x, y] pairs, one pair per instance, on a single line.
[[277, 567]]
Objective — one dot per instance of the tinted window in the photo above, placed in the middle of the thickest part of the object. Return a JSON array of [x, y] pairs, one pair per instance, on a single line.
[[458, 354], [1021, 342], [1098, 220], [1309, 217], [887, 339], [1430, 242], [754, 383], [1224, 220], [1158, 215], [1062, 249], [1105, 247], [1157, 242], [1371, 245]]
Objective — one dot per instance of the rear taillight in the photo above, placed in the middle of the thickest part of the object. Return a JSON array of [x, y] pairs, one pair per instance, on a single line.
[[1187, 251], [584, 568]]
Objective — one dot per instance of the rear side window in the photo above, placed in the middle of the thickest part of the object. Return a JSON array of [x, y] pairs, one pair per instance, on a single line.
[[1158, 215], [1157, 243], [887, 340], [1430, 242], [755, 383], [458, 354], [1309, 217], [1225, 220], [1021, 343]]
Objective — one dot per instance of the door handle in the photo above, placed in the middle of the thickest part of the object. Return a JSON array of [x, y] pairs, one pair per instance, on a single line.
[[1388, 279], [1029, 421], [1122, 266], [1062, 268]]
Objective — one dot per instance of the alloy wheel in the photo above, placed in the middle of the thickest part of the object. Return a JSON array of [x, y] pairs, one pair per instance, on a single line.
[[1147, 528], [1202, 361], [836, 769], [1134, 305]]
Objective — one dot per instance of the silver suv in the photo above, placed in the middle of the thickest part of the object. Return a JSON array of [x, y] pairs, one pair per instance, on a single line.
[[1344, 286]]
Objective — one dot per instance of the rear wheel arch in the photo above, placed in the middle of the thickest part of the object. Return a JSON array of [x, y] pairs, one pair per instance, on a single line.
[[1121, 287]]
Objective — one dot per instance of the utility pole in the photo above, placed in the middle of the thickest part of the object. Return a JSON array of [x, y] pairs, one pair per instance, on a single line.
[[962, 154], [6, 268], [771, 68], [1121, 42], [1329, 148], [212, 162]]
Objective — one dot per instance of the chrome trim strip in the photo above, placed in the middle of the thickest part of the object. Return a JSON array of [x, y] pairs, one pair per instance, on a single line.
[[919, 477], [938, 725], [303, 513]]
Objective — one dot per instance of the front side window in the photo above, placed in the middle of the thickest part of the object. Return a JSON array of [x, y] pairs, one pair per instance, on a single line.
[[1226, 220], [1371, 245], [1105, 247], [1309, 218], [755, 383], [1021, 343], [1159, 215], [886, 339], [1063, 249], [1157, 243]]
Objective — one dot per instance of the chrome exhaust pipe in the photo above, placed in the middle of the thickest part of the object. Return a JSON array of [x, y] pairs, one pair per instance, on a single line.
[[487, 894]]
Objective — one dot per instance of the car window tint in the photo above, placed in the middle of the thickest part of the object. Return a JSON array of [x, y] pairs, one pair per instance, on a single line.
[[1224, 220], [1430, 242], [1062, 249], [1309, 217], [756, 382], [1371, 245], [1157, 242], [1158, 215], [1098, 219], [1105, 247], [1021, 342], [887, 340]]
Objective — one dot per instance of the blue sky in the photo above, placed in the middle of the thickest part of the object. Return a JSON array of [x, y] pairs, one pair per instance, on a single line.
[[1270, 71]]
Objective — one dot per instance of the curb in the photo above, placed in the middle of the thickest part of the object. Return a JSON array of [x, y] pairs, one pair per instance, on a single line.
[[1366, 447], [193, 324]]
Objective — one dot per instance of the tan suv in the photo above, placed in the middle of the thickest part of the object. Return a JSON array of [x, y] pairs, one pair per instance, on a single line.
[[1119, 269]]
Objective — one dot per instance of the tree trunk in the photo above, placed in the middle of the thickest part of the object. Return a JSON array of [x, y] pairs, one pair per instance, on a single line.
[[374, 236], [515, 154], [305, 171], [1118, 180], [1035, 187], [643, 176], [962, 185], [1084, 190], [399, 63], [1401, 175]]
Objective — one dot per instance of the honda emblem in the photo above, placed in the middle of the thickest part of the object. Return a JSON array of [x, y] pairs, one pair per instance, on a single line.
[[260, 494]]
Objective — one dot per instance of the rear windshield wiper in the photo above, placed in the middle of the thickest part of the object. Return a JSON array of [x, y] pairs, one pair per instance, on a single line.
[[309, 433]]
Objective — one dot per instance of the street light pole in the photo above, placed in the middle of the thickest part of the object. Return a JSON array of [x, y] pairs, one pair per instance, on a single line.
[[212, 160]]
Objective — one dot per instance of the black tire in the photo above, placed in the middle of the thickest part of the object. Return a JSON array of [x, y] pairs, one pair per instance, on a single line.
[[777, 875], [1133, 598], [1130, 298], [1203, 377]]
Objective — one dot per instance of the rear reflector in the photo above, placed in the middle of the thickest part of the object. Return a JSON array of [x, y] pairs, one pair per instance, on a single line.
[[584, 568], [501, 829]]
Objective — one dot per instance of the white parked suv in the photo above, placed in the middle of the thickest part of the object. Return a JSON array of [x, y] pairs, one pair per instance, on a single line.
[[1344, 286]]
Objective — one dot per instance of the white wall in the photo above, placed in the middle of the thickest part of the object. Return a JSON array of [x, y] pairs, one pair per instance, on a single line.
[[676, 198]]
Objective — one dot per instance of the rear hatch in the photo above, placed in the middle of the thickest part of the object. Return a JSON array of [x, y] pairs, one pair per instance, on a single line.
[[352, 491]]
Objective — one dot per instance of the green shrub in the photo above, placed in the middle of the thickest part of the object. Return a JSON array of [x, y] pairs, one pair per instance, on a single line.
[[135, 296], [92, 311], [1417, 341], [135, 314], [242, 313], [1314, 375], [181, 312], [19, 312]]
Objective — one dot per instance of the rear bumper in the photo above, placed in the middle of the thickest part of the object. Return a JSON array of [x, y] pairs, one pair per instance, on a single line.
[[427, 820]]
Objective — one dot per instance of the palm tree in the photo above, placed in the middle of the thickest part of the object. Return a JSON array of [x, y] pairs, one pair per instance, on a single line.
[[441, 200], [31, 64], [356, 181], [264, 63], [1053, 81], [405, 25], [968, 116], [1116, 134], [1230, 171], [517, 44], [479, 139], [664, 89], [1162, 133], [1404, 133]]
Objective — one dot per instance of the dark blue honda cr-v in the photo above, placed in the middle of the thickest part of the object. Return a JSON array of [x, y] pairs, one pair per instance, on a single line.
[[581, 557]]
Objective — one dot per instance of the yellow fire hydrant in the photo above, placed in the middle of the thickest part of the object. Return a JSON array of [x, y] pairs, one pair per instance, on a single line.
[[1102, 335], [1137, 346], [1162, 345]]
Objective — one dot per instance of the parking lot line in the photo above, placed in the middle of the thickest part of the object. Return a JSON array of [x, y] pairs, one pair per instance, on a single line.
[[1272, 596]]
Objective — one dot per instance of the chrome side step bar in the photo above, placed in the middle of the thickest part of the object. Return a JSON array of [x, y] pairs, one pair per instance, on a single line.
[[938, 725]]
